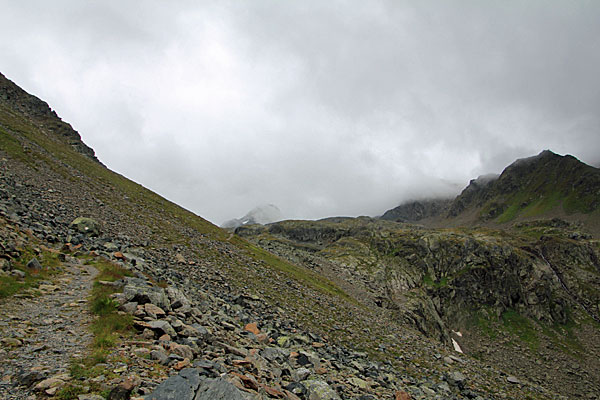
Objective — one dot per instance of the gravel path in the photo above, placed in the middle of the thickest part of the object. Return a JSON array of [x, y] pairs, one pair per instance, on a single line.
[[41, 334]]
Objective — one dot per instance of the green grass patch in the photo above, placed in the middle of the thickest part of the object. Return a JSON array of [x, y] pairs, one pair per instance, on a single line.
[[482, 321], [296, 272], [69, 392], [13, 147], [428, 281], [109, 324], [520, 326], [10, 285]]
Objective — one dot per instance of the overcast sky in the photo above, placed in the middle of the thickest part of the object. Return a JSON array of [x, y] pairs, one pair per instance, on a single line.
[[320, 107]]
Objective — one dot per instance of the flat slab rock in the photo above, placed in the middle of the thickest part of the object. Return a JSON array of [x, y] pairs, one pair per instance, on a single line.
[[188, 385]]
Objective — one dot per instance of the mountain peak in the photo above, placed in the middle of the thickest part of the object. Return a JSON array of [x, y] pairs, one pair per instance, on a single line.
[[17, 100]]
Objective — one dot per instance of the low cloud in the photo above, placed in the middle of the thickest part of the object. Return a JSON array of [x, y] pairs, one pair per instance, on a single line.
[[322, 108]]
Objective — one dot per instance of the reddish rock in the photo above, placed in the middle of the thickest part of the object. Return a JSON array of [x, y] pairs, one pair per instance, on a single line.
[[248, 381], [119, 256], [262, 338], [252, 328], [290, 395], [273, 392], [182, 364], [241, 363], [402, 396]]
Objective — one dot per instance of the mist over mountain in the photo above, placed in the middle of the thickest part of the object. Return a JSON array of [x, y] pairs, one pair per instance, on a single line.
[[263, 214]]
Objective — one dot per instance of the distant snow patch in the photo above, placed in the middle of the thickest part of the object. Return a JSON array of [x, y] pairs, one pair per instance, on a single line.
[[456, 346]]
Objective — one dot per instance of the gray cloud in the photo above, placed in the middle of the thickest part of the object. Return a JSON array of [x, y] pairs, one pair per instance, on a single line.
[[322, 108]]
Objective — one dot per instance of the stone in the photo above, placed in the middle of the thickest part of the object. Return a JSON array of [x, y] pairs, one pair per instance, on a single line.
[[160, 356], [17, 273], [86, 226], [49, 383], [512, 379], [359, 383], [177, 299], [302, 374], [219, 389], [162, 327], [252, 328], [456, 378], [110, 247], [297, 389], [248, 381], [182, 386], [153, 311], [320, 390], [34, 264], [182, 350], [401, 395], [139, 291], [119, 393]]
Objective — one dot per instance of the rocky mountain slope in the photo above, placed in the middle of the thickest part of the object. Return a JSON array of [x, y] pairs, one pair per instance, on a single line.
[[544, 186], [172, 306], [533, 187], [418, 210], [523, 300]]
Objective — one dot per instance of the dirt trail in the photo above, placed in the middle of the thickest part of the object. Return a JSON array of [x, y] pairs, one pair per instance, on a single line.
[[41, 334]]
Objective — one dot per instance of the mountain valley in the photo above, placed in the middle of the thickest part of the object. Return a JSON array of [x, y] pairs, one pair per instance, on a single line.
[[494, 294]]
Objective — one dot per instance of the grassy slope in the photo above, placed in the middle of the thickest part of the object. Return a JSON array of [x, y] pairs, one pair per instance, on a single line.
[[551, 184]]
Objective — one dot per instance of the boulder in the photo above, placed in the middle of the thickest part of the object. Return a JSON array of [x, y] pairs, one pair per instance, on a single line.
[[139, 291], [178, 299], [179, 387], [162, 327], [320, 390], [220, 389], [34, 264], [86, 226]]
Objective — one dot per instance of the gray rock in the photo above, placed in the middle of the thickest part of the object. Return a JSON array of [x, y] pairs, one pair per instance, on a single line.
[[5, 265], [162, 327], [179, 387], [34, 264], [139, 291], [87, 226], [178, 299], [301, 374], [220, 389], [159, 356], [320, 390], [110, 246], [17, 273], [512, 379], [129, 307], [456, 378]]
